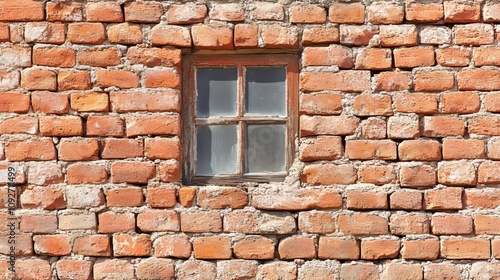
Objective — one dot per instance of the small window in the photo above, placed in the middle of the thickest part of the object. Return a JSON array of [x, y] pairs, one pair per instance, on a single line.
[[240, 117]]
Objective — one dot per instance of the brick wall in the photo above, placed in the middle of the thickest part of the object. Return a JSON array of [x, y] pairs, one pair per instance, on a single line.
[[396, 174]]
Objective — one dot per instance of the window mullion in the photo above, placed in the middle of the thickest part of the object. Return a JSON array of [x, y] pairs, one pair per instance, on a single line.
[[241, 124]]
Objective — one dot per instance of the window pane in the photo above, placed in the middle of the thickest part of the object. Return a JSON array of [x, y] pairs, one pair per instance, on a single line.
[[266, 146], [266, 91], [216, 92], [216, 149]]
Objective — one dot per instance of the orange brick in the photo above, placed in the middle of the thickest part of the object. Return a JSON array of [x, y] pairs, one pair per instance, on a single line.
[[177, 246], [482, 198], [171, 35], [100, 57], [254, 248], [443, 199], [424, 12], [327, 125], [73, 80], [21, 124], [457, 174], [161, 197], [420, 103], [127, 245], [227, 12], [409, 224], [104, 126], [486, 224], [38, 79], [322, 148], [212, 247], [95, 245], [484, 125], [10, 79], [379, 249], [338, 249], [297, 248], [347, 80], [84, 197], [4, 32], [74, 269], [201, 222], [13, 102], [453, 56], [374, 59], [307, 14], [414, 57], [353, 13], [104, 12], [378, 175], [143, 12], [406, 200], [31, 149], [366, 200], [117, 78], [328, 174], [321, 104], [162, 148], [374, 128], [372, 105], [43, 197], [434, 81], [451, 225], [61, 126], [460, 11], [442, 126], [32, 268], [474, 34], [253, 223], [114, 268], [151, 101], [125, 33], [398, 35], [54, 57], [221, 198], [22, 10], [64, 11], [421, 249], [371, 149], [169, 172], [319, 35], [86, 33], [86, 173], [403, 127], [52, 245], [45, 32], [385, 13], [186, 196], [246, 36], [492, 102], [362, 224], [275, 36], [478, 79], [78, 149], [188, 13], [123, 197], [463, 149], [162, 78], [467, 248], [394, 271], [488, 173], [425, 150], [213, 36], [393, 81], [132, 172], [111, 222], [442, 271], [154, 56], [328, 56], [357, 35], [366, 271], [154, 125], [89, 101], [38, 223], [316, 222], [121, 148], [490, 12], [461, 102]]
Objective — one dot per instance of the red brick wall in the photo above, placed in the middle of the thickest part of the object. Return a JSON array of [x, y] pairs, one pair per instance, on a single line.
[[396, 174]]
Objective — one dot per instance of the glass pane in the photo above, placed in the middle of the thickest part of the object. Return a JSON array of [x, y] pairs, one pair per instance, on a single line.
[[266, 147], [216, 92], [216, 149], [265, 91]]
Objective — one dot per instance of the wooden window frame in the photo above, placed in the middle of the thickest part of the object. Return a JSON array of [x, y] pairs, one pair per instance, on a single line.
[[190, 62]]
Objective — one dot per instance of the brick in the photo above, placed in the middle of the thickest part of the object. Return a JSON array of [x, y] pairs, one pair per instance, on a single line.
[[151, 101], [451, 225], [378, 175], [86, 33], [320, 35], [89, 101], [366, 271], [406, 200], [442, 126], [403, 127], [316, 222], [125, 33], [267, 11], [362, 224], [51, 245], [341, 81], [242, 268], [353, 13], [188, 13], [212, 247], [303, 199], [162, 78], [220, 198], [328, 56], [385, 13], [186, 196], [227, 12], [38, 79], [32, 268], [31, 149], [259, 223], [469, 248], [409, 224], [457, 174], [122, 148], [171, 35], [487, 56], [116, 78], [54, 57], [435, 35], [488, 173], [154, 56], [100, 57], [366, 200], [213, 37], [113, 268], [414, 57], [4, 33], [329, 174], [45, 173], [456, 11], [155, 268], [84, 197], [21, 124], [379, 249], [443, 199], [123, 197], [143, 12], [494, 148], [485, 269], [425, 150], [357, 35], [246, 36], [61, 126], [371, 149], [424, 12], [111, 222], [420, 103], [170, 172], [478, 79], [78, 149], [104, 126], [442, 271], [196, 267], [374, 128], [307, 14], [394, 271], [393, 81], [15, 56], [453, 56], [484, 125], [74, 269], [463, 149], [374, 59], [327, 125], [104, 12], [45, 32], [73, 80], [338, 249], [44, 197], [177, 246], [434, 81], [372, 105], [460, 102], [490, 12], [254, 248], [486, 224], [474, 34], [127, 245], [162, 148], [400, 35], [321, 104], [297, 248], [492, 102], [38, 223], [9, 79], [274, 36], [22, 10], [64, 11], [322, 148], [273, 269], [482, 198], [77, 221], [421, 249], [161, 197], [201, 222], [13, 102]]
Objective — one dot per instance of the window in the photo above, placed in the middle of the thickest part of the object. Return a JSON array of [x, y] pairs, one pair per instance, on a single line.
[[240, 117]]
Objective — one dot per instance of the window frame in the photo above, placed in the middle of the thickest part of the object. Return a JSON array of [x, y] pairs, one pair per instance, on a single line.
[[190, 62]]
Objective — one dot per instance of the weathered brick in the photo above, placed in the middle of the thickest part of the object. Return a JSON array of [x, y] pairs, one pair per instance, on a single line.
[[474, 34], [220, 198], [451, 225], [424, 12], [297, 248], [188, 13], [484, 125], [420, 103], [403, 127], [9, 79], [409, 224], [366, 271], [154, 56], [201, 222], [128, 245], [215, 37], [407, 200], [104, 12], [374, 59], [43, 197], [329, 174], [86, 33], [371, 149], [457, 174], [54, 57], [117, 78], [478, 79], [443, 199], [113, 268], [74, 269], [488, 173], [319, 35], [155, 268], [357, 35], [15, 56], [274, 36], [328, 56], [434, 81], [77, 221], [321, 104], [45, 32], [212, 247], [123, 197], [72, 11], [254, 248], [161, 197], [227, 12], [32, 268], [73, 80], [425, 150], [463, 149], [316, 222], [125, 33], [379, 249], [482, 198], [435, 35], [348, 80], [171, 35], [353, 13], [374, 128], [307, 14], [246, 36], [61, 126], [462, 11], [395, 271], [89, 101], [400, 35], [31, 149], [322, 148], [372, 105], [104, 126], [143, 12], [362, 224], [51, 245], [111, 222], [273, 269], [366, 200], [151, 101], [385, 13], [38, 223], [460, 102], [38, 79], [21, 124], [177, 246], [421, 249], [22, 10], [240, 268], [453, 56], [337, 248], [414, 57], [467, 248], [78, 149], [327, 125], [442, 126], [100, 57]]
